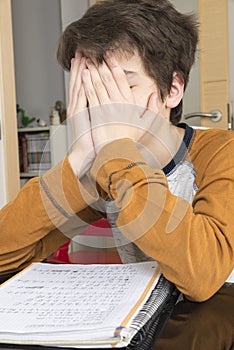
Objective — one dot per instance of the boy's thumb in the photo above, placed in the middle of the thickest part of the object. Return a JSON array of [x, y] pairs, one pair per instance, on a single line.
[[153, 102]]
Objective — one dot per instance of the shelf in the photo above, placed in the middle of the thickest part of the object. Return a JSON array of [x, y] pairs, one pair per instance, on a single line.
[[36, 129], [31, 148], [32, 174]]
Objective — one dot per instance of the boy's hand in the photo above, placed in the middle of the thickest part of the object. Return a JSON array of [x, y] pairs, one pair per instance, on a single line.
[[82, 154], [112, 108]]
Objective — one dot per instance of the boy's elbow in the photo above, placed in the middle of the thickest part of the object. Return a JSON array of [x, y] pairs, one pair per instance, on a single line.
[[202, 292], [199, 294], [203, 284]]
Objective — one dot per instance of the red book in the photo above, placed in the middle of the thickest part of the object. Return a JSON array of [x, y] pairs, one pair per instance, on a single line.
[[24, 154]]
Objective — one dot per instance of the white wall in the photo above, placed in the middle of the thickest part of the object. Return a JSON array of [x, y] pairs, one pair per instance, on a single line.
[[71, 10], [192, 94], [39, 79], [37, 26]]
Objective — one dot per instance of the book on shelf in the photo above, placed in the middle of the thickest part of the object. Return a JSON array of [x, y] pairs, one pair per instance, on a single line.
[[34, 152], [23, 154], [84, 306]]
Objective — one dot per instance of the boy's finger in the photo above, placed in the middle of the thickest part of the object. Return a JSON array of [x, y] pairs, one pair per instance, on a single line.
[[89, 89], [81, 101], [78, 54], [153, 102], [97, 82], [109, 83], [73, 72], [78, 64], [71, 85], [120, 77]]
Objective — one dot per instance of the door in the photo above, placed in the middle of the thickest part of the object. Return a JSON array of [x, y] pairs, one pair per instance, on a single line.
[[211, 86], [216, 49]]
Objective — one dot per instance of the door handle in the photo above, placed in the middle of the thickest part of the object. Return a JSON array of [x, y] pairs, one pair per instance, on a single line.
[[230, 115], [214, 115]]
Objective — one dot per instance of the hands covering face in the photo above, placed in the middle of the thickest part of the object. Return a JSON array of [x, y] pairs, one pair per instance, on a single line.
[[102, 108]]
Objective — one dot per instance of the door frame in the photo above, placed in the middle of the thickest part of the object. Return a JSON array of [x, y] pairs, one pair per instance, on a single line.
[[9, 136]]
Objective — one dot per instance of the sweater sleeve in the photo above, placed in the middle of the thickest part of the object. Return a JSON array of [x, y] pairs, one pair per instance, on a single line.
[[193, 244], [43, 216]]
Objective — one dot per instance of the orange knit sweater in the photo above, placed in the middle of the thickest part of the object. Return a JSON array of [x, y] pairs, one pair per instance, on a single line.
[[193, 244]]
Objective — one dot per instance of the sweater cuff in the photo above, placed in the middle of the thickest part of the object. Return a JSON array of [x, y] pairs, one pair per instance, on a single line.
[[114, 162]]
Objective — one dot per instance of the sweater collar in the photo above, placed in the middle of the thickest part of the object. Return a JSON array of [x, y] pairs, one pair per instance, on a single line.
[[183, 149]]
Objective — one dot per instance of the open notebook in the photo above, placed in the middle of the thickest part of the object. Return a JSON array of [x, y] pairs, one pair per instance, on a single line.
[[83, 306]]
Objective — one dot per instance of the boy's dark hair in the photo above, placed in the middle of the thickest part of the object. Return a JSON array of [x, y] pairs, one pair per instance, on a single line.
[[165, 39]]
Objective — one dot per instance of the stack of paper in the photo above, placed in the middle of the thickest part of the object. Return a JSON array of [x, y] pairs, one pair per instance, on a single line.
[[78, 305]]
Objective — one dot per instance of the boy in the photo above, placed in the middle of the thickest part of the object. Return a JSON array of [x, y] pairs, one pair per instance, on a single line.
[[130, 62]]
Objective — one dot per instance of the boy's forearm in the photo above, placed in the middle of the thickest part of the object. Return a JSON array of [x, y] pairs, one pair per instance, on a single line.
[[31, 224], [163, 225]]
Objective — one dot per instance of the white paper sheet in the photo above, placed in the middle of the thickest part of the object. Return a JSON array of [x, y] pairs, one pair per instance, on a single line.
[[89, 301]]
